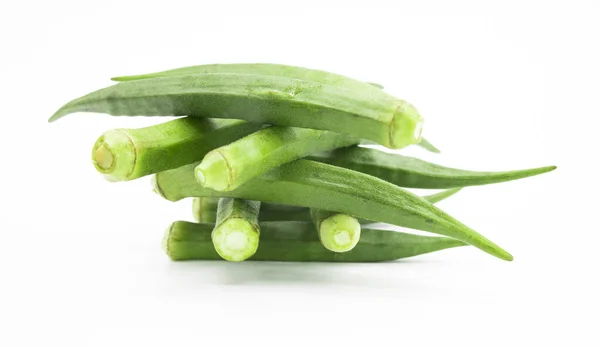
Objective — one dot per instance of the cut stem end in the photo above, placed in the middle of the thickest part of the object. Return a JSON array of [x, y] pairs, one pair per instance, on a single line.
[[114, 155], [339, 233], [235, 239], [213, 172]]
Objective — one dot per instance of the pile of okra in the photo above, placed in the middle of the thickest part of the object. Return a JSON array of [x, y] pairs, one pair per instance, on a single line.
[[283, 163]]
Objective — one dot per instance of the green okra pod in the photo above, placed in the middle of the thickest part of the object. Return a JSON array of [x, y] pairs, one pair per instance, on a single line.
[[236, 231], [368, 113], [317, 185], [296, 72], [432, 198], [204, 209], [266, 69], [297, 242], [411, 172], [228, 167], [126, 154]]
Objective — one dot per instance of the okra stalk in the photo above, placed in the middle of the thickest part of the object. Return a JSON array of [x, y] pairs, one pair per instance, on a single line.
[[428, 145], [204, 209], [317, 185], [298, 242], [411, 172], [236, 231], [127, 154], [228, 167], [367, 113], [338, 232]]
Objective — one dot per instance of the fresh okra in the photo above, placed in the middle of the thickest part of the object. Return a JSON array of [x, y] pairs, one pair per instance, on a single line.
[[366, 113], [204, 209], [298, 242], [301, 73], [317, 185], [230, 166], [411, 172], [126, 154]]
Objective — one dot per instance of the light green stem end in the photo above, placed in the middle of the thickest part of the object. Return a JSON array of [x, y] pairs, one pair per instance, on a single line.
[[339, 233], [235, 239], [114, 155], [406, 126], [213, 172]]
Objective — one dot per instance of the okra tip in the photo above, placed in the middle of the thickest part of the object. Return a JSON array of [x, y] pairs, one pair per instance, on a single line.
[[114, 155], [406, 126]]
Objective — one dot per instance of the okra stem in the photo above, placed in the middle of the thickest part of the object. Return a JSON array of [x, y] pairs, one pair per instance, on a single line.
[[228, 167], [236, 231], [127, 154], [338, 232], [298, 242], [312, 184], [428, 145]]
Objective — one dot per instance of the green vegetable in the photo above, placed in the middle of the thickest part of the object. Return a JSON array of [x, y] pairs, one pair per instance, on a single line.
[[411, 172], [126, 154], [298, 242], [317, 185], [317, 76], [228, 167], [289, 71], [204, 209], [367, 113], [236, 232], [338, 232]]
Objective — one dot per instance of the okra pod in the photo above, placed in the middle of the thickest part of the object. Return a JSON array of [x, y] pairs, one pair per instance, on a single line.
[[368, 113], [297, 72], [318, 185], [318, 215], [126, 154], [204, 209], [298, 242], [411, 172], [228, 167]]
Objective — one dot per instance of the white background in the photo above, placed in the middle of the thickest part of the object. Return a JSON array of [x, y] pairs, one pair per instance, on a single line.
[[501, 87]]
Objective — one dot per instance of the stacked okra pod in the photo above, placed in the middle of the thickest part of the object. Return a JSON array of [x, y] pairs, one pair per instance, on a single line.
[[273, 158]]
